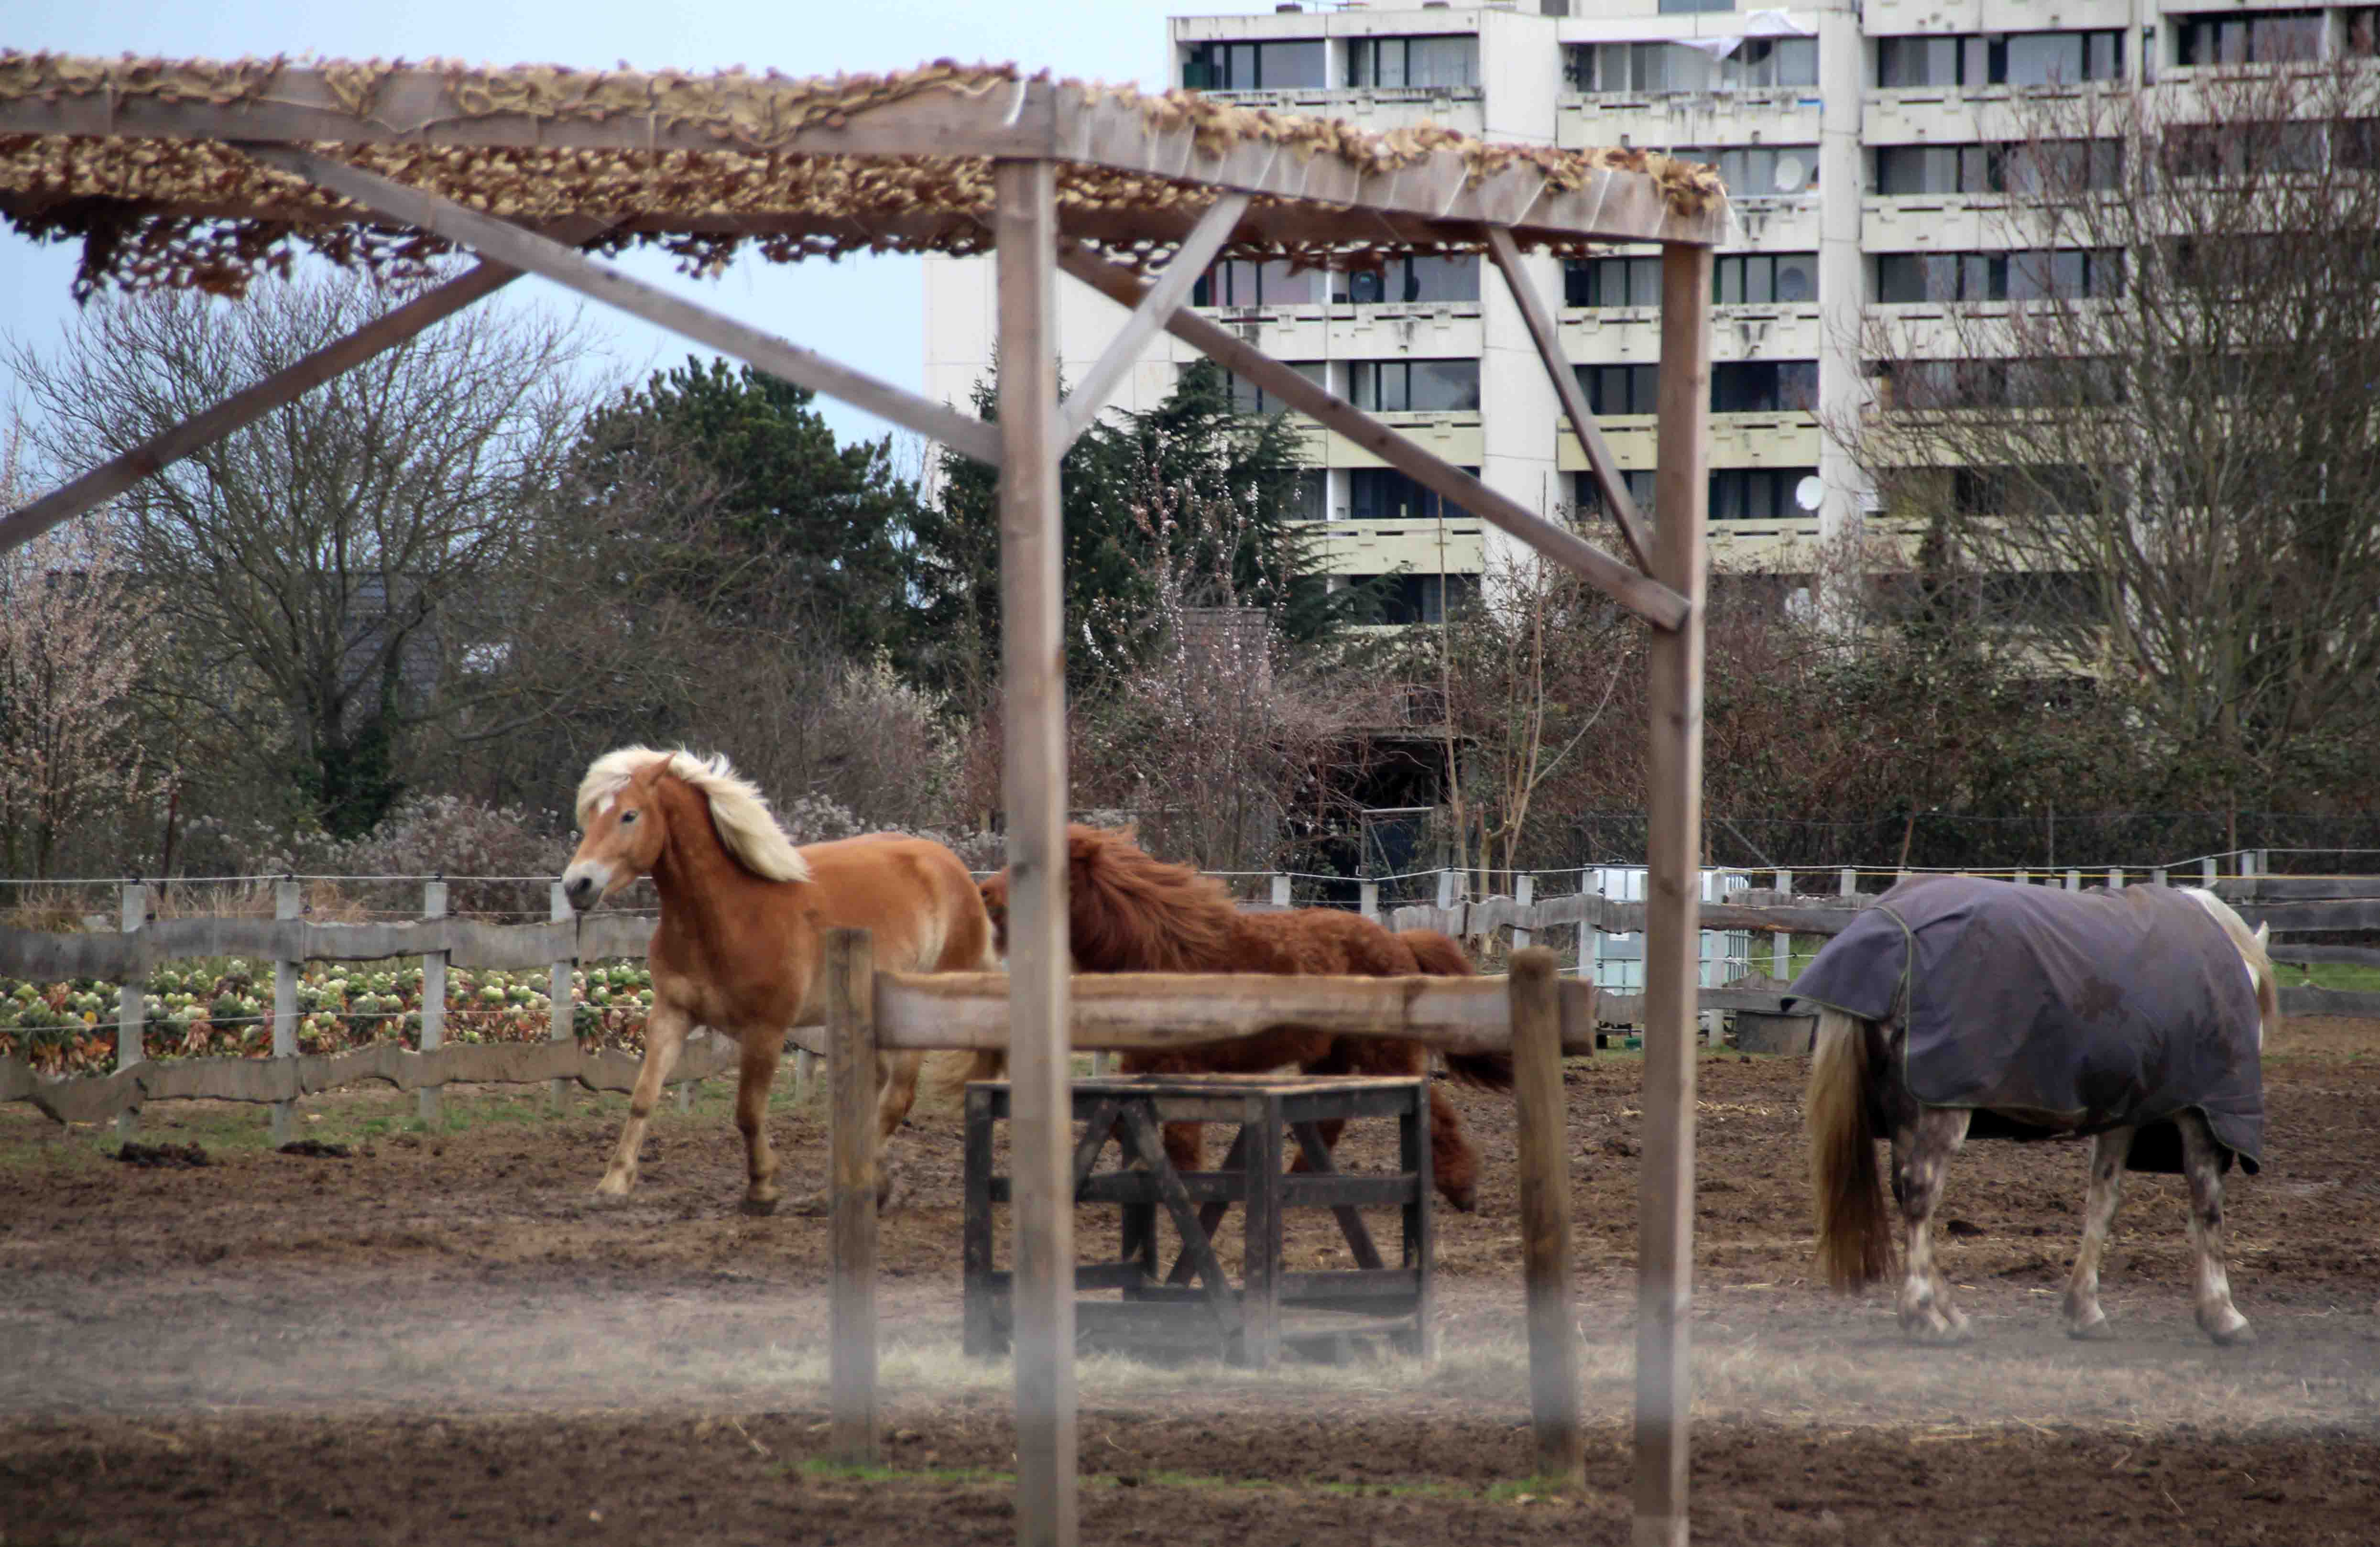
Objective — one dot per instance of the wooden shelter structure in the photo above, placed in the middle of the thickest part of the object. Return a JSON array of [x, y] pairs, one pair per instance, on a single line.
[[192, 173]]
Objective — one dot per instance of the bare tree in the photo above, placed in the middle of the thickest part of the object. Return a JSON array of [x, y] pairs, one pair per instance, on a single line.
[[74, 633], [313, 568], [2150, 425]]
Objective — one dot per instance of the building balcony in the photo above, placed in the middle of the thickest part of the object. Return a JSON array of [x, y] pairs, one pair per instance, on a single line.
[[1943, 223], [1737, 441], [1897, 18], [1438, 330], [1450, 437], [1424, 547], [1958, 115], [1775, 224], [1626, 335], [1778, 115]]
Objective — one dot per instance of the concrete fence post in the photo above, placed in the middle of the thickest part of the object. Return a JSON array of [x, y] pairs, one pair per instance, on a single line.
[[1525, 895], [433, 998], [1780, 944], [288, 904], [558, 999], [1279, 892], [1367, 900], [131, 1001]]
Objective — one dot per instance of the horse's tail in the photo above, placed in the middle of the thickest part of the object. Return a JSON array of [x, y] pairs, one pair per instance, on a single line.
[[1443, 956], [949, 1074], [1854, 1235]]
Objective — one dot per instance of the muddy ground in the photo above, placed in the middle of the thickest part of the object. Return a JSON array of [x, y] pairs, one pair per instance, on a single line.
[[442, 1338]]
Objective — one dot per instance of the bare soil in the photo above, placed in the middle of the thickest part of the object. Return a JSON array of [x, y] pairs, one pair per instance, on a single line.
[[442, 1336]]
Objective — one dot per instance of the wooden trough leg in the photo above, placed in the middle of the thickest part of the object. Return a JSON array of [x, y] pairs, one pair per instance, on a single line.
[[851, 1071], [1420, 1251], [979, 1337], [1673, 777], [1260, 1258], [1554, 1395]]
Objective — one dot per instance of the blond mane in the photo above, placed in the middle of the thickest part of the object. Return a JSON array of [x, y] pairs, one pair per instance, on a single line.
[[2251, 944], [739, 813]]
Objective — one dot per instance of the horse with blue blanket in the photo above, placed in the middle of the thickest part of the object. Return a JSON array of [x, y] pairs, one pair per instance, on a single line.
[[1957, 1008]]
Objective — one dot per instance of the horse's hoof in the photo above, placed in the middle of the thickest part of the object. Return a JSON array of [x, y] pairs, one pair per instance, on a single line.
[[1465, 1202], [2096, 1330], [813, 1205], [2239, 1336], [613, 1189], [760, 1208]]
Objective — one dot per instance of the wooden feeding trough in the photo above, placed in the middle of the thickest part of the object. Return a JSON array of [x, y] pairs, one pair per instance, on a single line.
[[1194, 1307]]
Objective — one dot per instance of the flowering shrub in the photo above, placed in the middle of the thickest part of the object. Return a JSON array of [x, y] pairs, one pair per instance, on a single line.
[[225, 1010]]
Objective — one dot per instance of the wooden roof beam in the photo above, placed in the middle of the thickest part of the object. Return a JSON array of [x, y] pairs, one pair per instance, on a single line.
[[526, 250], [1650, 600]]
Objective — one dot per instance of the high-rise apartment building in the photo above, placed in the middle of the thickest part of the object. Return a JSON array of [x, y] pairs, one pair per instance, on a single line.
[[1866, 150]]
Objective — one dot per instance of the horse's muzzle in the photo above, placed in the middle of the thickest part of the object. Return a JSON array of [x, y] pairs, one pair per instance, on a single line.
[[582, 887]]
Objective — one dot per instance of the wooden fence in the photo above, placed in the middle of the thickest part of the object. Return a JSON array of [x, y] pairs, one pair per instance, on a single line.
[[2295, 907]]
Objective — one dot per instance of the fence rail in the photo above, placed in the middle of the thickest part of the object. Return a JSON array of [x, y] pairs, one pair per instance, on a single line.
[[960, 1011]]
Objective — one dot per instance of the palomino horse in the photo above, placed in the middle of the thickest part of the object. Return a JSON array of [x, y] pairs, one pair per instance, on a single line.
[[1130, 912], [1958, 1007], [737, 947]]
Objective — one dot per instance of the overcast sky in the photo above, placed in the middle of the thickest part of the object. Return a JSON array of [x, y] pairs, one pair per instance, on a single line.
[[863, 310]]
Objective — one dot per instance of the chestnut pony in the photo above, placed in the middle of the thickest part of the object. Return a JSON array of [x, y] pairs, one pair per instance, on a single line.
[[1131, 913], [738, 946]]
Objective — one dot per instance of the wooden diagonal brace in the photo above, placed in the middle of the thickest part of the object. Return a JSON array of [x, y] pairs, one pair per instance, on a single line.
[[1650, 600], [1615, 498], [1171, 292], [524, 249], [383, 334]]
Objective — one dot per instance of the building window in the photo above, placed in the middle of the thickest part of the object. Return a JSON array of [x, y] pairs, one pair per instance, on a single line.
[[1418, 598], [1619, 389], [1756, 493], [1415, 386], [1412, 281], [1249, 398], [1444, 61], [2011, 59], [1244, 282], [1285, 64], [2061, 273], [1764, 386], [1587, 500], [1765, 279], [1611, 282], [2044, 382], [2248, 148], [2057, 166], [1756, 63], [1759, 171], [1385, 494], [2250, 38], [1694, 7]]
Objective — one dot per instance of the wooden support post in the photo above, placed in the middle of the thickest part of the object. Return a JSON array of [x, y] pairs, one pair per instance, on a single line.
[[1033, 682], [1261, 1220], [1780, 944], [1673, 772], [288, 902], [433, 998], [1525, 894], [1281, 891], [1367, 900], [131, 1001], [850, 994], [558, 996], [1554, 1395]]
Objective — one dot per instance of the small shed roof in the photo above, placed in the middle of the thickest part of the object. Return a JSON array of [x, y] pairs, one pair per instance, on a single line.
[[138, 160]]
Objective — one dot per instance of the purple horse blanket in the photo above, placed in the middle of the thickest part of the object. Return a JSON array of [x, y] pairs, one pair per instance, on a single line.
[[2050, 1012]]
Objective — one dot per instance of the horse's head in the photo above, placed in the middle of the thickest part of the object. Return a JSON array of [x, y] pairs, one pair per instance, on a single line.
[[626, 828], [2250, 946]]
